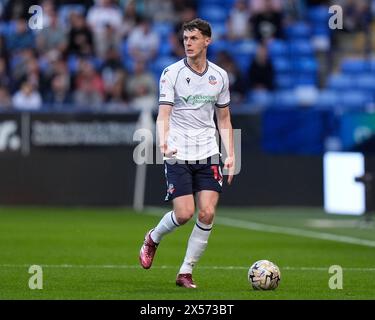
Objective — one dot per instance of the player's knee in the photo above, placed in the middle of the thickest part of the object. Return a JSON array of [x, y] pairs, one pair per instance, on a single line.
[[185, 215], [206, 214]]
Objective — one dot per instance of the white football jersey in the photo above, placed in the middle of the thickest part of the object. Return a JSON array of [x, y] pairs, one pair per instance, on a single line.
[[194, 97]]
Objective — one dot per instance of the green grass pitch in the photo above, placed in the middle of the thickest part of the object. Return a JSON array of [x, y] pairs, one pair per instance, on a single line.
[[93, 254]]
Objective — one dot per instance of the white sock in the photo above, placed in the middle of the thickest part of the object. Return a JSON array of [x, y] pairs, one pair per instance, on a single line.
[[166, 225], [197, 244]]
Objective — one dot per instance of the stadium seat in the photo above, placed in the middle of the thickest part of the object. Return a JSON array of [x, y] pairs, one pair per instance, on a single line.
[[282, 64], [318, 14], [261, 98], [278, 48], [340, 82], [213, 13], [305, 65], [354, 65], [301, 48], [299, 30], [354, 99], [366, 81], [219, 31], [284, 80], [160, 64], [327, 99], [164, 29], [284, 99]]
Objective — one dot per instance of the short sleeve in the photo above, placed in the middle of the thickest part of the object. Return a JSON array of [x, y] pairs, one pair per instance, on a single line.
[[223, 100], [166, 89]]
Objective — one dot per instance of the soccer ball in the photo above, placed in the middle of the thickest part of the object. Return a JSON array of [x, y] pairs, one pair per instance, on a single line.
[[264, 275]]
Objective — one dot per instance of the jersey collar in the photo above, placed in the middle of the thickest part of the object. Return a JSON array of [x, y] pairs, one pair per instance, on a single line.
[[199, 74]]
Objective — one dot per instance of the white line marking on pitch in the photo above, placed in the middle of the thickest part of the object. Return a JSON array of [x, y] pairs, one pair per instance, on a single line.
[[123, 266], [292, 231], [243, 224]]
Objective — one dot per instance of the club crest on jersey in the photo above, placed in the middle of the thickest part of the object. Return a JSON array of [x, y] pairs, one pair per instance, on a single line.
[[212, 80], [188, 80], [171, 188]]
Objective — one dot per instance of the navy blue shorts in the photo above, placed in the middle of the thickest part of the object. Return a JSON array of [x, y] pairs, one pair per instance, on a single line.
[[189, 177]]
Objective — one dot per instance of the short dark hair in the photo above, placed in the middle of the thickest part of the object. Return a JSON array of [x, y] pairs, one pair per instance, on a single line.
[[202, 25]]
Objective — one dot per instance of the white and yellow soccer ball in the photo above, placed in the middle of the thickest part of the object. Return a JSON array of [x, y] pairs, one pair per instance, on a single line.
[[264, 275]]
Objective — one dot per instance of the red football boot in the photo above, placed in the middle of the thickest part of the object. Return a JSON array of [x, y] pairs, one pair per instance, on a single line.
[[147, 252], [185, 280]]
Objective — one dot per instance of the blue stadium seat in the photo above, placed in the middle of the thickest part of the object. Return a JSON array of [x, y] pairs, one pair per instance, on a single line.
[[340, 82], [301, 48], [282, 64], [278, 48], [327, 99], [318, 14], [366, 81], [284, 81], [261, 98], [160, 64], [164, 29], [284, 99], [219, 31], [354, 99], [354, 65], [299, 30], [308, 78], [305, 65], [213, 13]]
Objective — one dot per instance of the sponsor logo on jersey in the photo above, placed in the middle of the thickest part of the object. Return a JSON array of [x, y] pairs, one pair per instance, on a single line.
[[198, 99], [212, 80]]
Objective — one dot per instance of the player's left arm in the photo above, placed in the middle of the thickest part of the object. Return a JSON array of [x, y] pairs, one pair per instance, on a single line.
[[226, 133]]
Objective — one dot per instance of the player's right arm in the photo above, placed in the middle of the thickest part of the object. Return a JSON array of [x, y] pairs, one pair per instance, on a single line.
[[162, 125], [166, 102]]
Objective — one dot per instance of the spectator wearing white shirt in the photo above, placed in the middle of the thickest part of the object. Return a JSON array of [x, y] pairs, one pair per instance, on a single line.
[[102, 17], [143, 42], [238, 22], [27, 98]]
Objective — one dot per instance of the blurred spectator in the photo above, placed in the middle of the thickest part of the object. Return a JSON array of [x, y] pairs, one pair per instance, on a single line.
[[5, 99], [113, 76], [259, 6], [89, 87], [117, 97], [59, 95], [176, 39], [51, 38], [237, 84], [80, 36], [143, 43], [27, 98], [142, 88], [4, 76], [160, 10], [22, 38], [238, 21], [267, 23], [108, 39], [261, 72], [105, 20], [357, 15], [130, 19], [15, 9]]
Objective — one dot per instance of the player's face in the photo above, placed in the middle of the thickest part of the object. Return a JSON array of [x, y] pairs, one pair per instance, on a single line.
[[195, 43]]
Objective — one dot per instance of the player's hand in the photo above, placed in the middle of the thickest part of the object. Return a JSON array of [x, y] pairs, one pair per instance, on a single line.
[[169, 153], [229, 165]]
